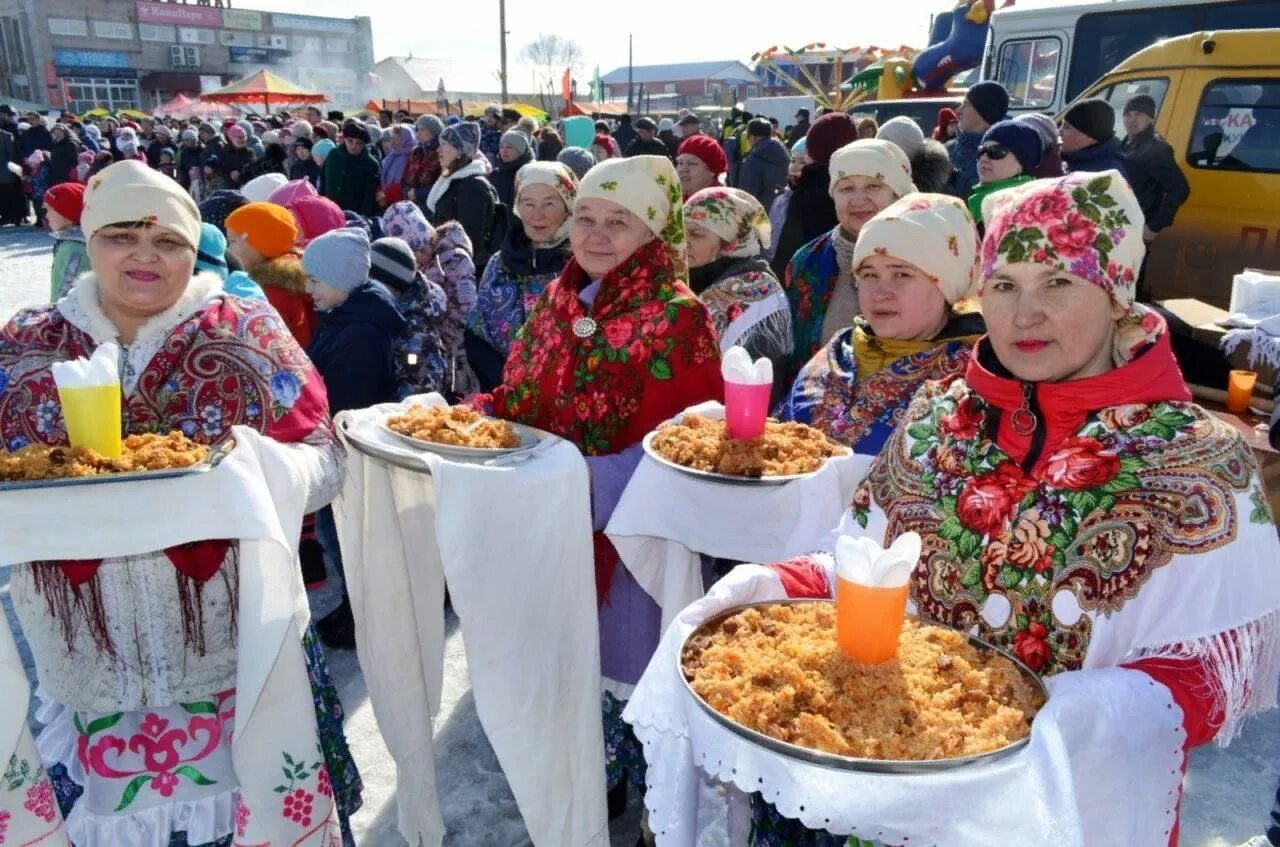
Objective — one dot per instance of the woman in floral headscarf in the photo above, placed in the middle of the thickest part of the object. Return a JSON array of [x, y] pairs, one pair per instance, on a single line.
[[728, 232], [615, 346], [866, 176], [857, 387], [534, 253], [1078, 510]]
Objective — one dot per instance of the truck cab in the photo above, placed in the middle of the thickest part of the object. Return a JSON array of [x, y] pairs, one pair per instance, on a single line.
[[1217, 96]]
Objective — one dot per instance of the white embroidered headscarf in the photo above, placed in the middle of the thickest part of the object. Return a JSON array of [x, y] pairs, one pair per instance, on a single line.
[[934, 232], [875, 158], [648, 187]]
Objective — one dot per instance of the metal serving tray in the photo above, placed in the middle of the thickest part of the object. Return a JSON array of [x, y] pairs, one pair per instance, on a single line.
[[850, 763], [217, 453], [729, 478]]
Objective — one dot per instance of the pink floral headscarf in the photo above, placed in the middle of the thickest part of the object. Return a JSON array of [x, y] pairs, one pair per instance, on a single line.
[[735, 216], [1087, 224]]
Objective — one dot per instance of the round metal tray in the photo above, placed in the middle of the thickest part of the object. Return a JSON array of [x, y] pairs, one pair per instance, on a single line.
[[528, 436], [729, 478], [850, 763]]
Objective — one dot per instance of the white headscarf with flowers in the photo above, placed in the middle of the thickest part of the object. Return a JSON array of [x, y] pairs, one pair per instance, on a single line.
[[874, 158], [736, 218], [647, 187], [557, 177], [934, 232], [1087, 224]]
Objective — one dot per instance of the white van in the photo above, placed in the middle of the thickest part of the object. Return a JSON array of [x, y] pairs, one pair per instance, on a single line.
[[1046, 55]]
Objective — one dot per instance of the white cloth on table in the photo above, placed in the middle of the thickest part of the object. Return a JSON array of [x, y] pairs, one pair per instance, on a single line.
[[1102, 768], [256, 496], [665, 519], [514, 544]]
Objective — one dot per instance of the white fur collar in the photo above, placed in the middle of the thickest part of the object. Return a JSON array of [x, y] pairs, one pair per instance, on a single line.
[[83, 308], [475, 168]]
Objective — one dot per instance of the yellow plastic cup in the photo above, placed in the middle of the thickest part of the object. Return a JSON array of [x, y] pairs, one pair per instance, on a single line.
[[869, 620], [92, 414]]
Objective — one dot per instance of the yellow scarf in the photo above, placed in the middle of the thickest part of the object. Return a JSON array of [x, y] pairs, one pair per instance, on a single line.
[[874, 354]]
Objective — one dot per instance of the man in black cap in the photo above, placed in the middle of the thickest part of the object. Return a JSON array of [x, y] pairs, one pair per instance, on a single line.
[[647, 142], [984, 104], [800, 128], [690, 125], [1159, 184], [351, 174], [1089, 140], [625, 134]]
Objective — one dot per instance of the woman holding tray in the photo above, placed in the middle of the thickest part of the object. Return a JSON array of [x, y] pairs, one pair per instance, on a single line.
[[1078, 510], [137, 656], [859, 385], [615, 346]]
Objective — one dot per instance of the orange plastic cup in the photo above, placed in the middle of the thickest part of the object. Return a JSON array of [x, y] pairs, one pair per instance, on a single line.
[[1240, 390], [869, 620]]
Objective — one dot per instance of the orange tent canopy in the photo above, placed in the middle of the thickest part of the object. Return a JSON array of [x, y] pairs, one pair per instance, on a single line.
[[613, 109], [183, 106], [263, 88]]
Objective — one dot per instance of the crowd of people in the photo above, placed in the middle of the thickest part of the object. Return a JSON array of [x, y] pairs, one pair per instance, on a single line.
[[961, 303]]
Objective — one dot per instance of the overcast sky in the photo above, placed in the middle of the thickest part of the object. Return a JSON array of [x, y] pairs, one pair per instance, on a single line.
[[665, 30]]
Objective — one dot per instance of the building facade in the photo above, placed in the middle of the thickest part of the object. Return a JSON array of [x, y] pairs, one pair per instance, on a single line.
[[690, 84], [85, 54]]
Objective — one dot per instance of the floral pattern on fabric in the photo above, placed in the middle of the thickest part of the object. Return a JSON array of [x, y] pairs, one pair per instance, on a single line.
[[741, 311], [419, 352], [39, 813], [737, 219], [508, 294], [652, 353], [1135, 486], [862, 412], [233, 362], [623, 752], [811, 280]]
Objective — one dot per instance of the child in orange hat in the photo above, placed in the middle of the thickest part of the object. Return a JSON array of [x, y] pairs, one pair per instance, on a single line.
[[63, 204], [261, 237]]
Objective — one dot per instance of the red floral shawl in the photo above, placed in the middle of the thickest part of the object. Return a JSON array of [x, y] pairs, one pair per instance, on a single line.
[[654, 354], [232, 362]]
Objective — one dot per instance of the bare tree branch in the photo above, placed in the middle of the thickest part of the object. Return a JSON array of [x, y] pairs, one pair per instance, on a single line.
[[552, 54]]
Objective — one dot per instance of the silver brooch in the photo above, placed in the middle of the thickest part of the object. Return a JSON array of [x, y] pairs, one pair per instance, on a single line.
[[584, 327]]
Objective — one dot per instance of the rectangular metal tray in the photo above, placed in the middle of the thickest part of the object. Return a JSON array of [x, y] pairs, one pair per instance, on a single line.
[[217, 453], [850, 763]]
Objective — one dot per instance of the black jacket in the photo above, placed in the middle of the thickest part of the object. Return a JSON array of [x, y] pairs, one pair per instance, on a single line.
[[764, 171], [473, 203], [503, 178], [352, 181], [188, 158], [306, 169], [233, 159], [1155, 177], [271, 162], [668, 138], [1103, 156], [653, 147], [798, 131], [152, 150], [36, 138], [8, 153], [63, 161], [352, 345], [810, 213], [625, 135]]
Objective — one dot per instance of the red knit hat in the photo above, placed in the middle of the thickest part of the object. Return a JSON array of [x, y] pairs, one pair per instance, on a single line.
[[946, 117], [67, 199], [708, 150], [828, 134]]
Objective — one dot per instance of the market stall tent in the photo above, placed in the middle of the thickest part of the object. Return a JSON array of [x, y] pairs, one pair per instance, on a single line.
[[263, 89]]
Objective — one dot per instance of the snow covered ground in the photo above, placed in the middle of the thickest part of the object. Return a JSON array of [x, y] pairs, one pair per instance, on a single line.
[[1228, 791]]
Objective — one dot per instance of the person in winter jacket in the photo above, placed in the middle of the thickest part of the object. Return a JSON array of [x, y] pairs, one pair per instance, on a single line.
[[261, 238], [271, 162], [189, 170], [700, 164], [418, 353], [1009, 152], [865, 177], [444, 256], [1154, 174], [984, 104], [646, 142], [35, 137], [914, 261], [315, 216], [91, 138], [64, 156], [534, 253], [424, 162], [514, 153], [232, 158], [930, 165], [625, 134], [764, 171], [667, 135], [13, 204], [304, 165], [463, 193], [353, 351], [395, 164], [811, 211], [726, 234], [211, 256], [252, 140], [63, 206], [1089, 140], [490, 133], [549, 144], [351, 174]]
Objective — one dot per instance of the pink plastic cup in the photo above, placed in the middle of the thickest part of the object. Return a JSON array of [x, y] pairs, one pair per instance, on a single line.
[[745, 409]]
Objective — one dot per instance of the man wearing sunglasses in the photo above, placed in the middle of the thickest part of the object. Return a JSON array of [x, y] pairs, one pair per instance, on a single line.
[[1008, 154]]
